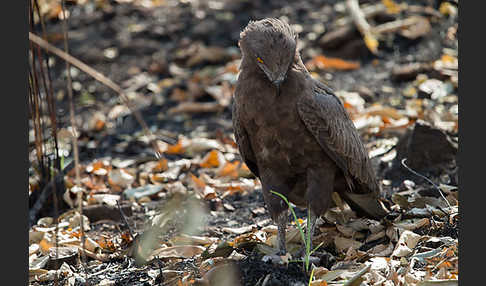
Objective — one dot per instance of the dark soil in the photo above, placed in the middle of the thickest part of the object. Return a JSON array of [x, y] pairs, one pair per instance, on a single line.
[[254, 271]]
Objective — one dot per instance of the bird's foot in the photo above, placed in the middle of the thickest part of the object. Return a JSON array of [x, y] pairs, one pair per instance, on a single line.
[[277, 258], [322, 258], [318, 258]]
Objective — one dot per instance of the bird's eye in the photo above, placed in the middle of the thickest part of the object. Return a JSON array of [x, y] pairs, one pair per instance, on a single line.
[[260, 60]]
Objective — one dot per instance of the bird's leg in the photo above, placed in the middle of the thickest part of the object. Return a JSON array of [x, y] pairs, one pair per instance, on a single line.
[[311, 225], [276, 205], [281, 221], [320, 184]]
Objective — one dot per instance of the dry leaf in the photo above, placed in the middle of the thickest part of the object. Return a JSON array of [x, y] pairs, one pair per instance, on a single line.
[[346, 230], [108, 199], [238, 230], [45, 246], [185, 239], [162, 165], [179, 251], [384, 111], [120, 177], [198, 183], [343, 244], [391, 6], [382, 250], [199, 145], [412, 224], [447, 9], [420, 27], [407, 241], [170, 175], [213, 159], [206, 192], [178, 148], [230, 169], [318, 283], [323, 62]]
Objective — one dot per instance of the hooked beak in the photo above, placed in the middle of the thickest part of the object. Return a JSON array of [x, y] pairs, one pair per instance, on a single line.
[[275, 78], [278, 82]]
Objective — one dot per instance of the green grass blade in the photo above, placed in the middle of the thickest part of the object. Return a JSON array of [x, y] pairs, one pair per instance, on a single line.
[[311, 276], [317, 247]]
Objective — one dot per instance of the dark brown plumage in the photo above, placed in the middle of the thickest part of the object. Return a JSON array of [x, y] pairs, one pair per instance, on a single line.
[[294, 133]]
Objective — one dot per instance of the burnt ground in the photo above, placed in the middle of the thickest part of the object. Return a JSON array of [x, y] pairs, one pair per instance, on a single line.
[[159, 54]]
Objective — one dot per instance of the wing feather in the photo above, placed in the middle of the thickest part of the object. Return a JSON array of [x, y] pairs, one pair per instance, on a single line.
[[325, 117], [243, 141]]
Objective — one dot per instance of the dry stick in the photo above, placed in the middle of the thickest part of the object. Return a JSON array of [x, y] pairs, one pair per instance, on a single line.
[[358, 16], [52, 112], [49, 89], [369, 11], [124, 219], [392, 26], [36, 115], [396, 25], [101, 78], [362, 25], [74, 138], [34, 108], [428, 180], [36, 122], [426, 10]]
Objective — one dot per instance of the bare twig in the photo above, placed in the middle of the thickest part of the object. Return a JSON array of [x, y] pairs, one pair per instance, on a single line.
[[37, 76], [191, 107], [396, 25], [36, 111], [358, 16], [52, 112], [369, 11], [101, 78], [362, 25], [125, 219], [427, 179], [345, 27], [425, 10], [75, 136], [48, 88]]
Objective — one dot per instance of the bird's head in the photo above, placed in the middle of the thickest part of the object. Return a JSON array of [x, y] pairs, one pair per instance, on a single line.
[[270, 44]]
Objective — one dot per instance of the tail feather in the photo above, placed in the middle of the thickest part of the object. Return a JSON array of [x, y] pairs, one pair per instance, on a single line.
[[365, 204]]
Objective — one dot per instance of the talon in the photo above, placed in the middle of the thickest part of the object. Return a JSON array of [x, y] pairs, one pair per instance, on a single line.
[[277, 259], [324, 258]]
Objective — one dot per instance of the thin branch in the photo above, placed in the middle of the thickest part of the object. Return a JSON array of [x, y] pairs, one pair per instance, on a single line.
[[358, 16], [101, 78], [362, 25], [125, 220], [396, 25], [369, 11], [427, 179], [48, 87], [75, 136]]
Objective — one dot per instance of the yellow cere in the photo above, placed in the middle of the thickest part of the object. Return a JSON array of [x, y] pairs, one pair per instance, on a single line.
[[260, 60]]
